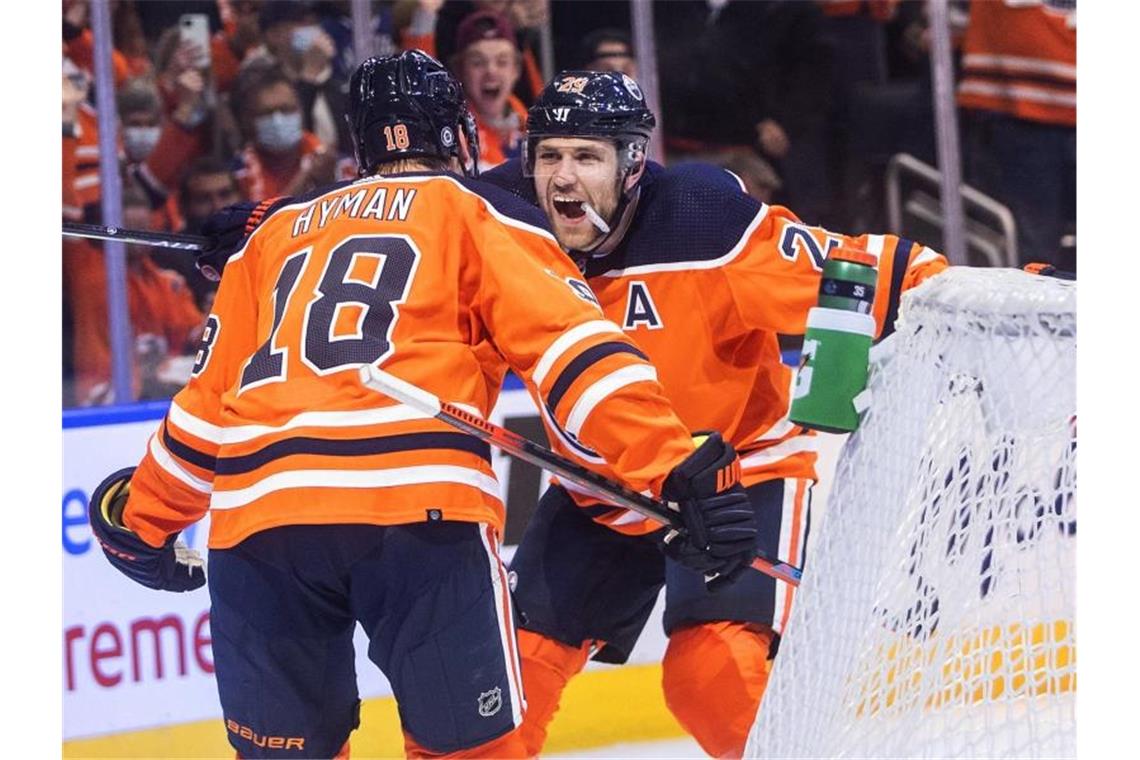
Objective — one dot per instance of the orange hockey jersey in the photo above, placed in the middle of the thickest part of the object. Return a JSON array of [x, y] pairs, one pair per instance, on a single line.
[[442, 281], [704, 280], [1020, 58]]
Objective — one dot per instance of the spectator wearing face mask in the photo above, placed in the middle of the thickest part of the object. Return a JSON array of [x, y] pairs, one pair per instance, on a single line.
[[488, 64], [142, 125], [280, 156], [295, 43]]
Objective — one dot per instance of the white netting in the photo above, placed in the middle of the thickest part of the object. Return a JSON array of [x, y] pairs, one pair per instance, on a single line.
[[936, 616]]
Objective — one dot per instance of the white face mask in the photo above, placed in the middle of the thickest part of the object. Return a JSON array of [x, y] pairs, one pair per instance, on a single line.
[[138, 142], [278, 132]]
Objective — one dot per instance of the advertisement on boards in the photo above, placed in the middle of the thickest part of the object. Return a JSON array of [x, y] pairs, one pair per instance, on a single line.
[[135, 658]]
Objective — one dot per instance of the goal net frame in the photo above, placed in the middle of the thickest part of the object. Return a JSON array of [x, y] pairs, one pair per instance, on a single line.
[[936, 617]]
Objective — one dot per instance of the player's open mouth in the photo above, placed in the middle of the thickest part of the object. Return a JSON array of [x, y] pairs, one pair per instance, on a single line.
[[570, 208], [490, 92]]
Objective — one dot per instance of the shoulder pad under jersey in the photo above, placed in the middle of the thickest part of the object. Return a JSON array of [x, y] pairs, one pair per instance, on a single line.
[[509, 177], [507, 202], [689, 212]]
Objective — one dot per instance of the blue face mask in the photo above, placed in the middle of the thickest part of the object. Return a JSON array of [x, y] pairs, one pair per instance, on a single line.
[[138, 142], [278, 132]]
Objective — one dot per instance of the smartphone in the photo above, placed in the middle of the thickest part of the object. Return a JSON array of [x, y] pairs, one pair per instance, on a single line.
[[304, 37], [195, 28]]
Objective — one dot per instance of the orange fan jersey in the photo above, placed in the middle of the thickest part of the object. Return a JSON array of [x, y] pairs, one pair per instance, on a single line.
[[704, 280], [442, 281], [259, 178], [1020, 58], [80, 153]]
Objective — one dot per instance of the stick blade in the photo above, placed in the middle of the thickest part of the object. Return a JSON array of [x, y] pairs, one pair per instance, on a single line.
[[400, 390]]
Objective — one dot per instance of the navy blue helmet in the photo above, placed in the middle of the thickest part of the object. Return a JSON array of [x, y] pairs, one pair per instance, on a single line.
[[407, 106], [599, 104]]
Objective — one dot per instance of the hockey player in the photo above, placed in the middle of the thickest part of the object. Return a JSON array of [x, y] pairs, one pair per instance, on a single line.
[[703, 277], [330, 504]]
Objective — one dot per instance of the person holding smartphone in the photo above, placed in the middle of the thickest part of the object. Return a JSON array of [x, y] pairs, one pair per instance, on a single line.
[[294, 40]]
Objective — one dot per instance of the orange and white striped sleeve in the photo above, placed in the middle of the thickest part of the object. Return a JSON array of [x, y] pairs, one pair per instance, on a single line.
[[595, 387], [172, 486]]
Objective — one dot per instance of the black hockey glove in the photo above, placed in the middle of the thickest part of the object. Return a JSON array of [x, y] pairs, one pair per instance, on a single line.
[[173, 567], [227, 230], [720, 526]]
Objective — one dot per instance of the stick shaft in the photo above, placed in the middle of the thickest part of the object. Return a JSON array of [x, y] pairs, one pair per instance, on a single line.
[[140, 237], [527, 450]]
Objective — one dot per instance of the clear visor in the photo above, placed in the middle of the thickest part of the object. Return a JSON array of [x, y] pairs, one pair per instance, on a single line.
[[590, 158]]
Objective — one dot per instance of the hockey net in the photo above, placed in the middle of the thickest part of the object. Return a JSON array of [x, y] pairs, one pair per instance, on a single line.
[[936, 615]]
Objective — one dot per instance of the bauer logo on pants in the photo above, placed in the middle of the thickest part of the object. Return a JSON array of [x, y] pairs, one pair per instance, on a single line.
[[490, 702]]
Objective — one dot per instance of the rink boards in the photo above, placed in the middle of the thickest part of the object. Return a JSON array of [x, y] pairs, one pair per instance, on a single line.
[[137, 667]]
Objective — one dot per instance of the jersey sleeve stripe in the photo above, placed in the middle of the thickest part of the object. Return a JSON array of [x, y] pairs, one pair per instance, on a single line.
[[357, 447], [195, 426], [607, 513], [573, 370], [594, 395], [339, 478], [925, 255], [898, 272], [563, 343], [779, 429], [571, 446], [187, 453], [794, 445], [170, 465], [875, 245], [360, 418]]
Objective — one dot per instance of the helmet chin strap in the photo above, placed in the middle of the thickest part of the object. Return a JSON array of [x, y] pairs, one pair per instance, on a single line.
[[614, 230]]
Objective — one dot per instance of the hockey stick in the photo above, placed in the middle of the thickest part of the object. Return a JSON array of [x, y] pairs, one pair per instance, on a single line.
[[140, 237], [540, 456]]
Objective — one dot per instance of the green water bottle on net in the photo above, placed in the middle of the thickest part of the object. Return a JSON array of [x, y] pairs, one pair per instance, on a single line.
[[833, 363]]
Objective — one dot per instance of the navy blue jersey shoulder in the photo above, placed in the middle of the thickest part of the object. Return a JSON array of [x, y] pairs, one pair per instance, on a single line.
[[312, 195], [509, 177], [688, 212], [506, 202]]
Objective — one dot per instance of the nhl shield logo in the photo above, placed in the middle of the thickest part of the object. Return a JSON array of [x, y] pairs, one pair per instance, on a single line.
[[631, 87], [490, 702]]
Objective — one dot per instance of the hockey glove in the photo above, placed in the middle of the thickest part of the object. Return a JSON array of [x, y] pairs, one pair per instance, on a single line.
[[720, 526], [172, 567], [227, 230]]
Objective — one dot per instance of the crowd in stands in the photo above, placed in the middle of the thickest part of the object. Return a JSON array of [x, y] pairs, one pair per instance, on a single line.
[[804, 101]]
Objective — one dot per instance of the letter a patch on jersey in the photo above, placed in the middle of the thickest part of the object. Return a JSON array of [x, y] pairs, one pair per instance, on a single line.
[[640, 309]]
